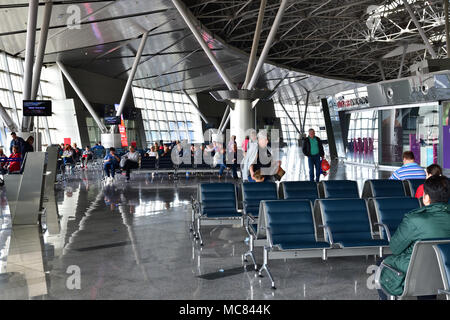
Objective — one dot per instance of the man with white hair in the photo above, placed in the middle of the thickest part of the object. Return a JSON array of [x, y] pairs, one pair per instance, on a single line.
[[264, 164]]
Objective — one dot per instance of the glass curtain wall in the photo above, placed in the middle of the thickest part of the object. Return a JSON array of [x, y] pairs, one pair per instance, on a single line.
[[11, 91], [363, 136], [168, 116], [314, 120], [415, 129]]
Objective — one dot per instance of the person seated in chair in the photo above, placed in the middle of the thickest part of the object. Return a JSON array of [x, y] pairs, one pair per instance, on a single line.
[[3, 162], [68, 157], [110, 164], [87, 155], [429, 222], [131, 161], [27, 146], [432, 170], [15, 162]]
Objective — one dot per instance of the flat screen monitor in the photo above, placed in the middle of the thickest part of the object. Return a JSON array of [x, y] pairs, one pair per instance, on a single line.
[[111, 121], [37, 108]]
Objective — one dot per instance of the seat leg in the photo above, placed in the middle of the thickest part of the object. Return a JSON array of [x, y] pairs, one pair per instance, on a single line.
[[265, 267], [250, 253], [199, 233]]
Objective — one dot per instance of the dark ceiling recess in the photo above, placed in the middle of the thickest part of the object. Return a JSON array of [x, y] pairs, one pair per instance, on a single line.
[[335, 38]]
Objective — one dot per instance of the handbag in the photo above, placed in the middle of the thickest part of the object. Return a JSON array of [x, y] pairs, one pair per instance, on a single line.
[[123, 159], [280, 173]]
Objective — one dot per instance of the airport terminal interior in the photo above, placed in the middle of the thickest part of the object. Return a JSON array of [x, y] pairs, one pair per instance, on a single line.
[[224, 150]]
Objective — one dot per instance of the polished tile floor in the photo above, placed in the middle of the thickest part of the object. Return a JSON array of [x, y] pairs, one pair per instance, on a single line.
[[131, 241]]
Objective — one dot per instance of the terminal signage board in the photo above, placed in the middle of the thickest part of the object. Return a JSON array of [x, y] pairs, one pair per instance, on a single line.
[[122, 130], [353, 104]]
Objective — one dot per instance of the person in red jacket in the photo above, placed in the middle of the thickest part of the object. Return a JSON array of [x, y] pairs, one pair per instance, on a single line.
[[15, 162], [432, 170]]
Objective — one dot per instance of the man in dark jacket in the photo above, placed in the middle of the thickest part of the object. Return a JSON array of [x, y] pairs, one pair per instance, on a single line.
[[429, 222], [16, 141], [313, 149]]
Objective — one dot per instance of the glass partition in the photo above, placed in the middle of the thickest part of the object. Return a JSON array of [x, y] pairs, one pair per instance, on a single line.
[[409, 128]]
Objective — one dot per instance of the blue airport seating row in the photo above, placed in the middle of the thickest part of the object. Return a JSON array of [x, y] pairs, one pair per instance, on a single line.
[[305, 228]]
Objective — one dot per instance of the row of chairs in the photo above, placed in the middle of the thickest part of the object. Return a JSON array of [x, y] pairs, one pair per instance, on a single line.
[[253, 193], [166, 165], [327, 228], [304, 227]]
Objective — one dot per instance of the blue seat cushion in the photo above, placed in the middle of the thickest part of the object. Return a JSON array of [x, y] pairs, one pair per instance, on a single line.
[[299, 190], [292, 245], [290, 221], [387, 188], [254, 193], [392, 210], [340, 189], [218, 200], [347, 219]]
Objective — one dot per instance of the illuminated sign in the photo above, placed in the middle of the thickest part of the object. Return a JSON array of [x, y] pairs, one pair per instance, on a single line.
[[353, 103]]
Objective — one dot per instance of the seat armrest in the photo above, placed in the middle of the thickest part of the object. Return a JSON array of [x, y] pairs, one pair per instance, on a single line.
[[269, 237], [328, 232], [386, 229], [384, 265]]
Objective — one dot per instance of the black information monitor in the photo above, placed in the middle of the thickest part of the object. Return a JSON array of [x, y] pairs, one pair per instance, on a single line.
[[37, 108], [111, 121]]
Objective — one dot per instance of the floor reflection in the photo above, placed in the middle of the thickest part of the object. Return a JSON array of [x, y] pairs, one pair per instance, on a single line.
[[131, 241]]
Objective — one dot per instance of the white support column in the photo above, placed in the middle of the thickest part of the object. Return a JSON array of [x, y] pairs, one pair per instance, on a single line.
[[185, 14], [82, 97], [41, 49], [29, 56], [137, 59], [268, 44], [251, 61], [419, 28], [240, 119]]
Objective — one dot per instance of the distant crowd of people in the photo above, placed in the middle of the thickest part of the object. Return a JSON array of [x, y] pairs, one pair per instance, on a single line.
[[18, 149]]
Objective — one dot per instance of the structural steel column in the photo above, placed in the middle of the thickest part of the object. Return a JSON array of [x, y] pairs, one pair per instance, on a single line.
[[41, 50], [7, 119], [329, 128], [184, 12], [419, 28], [405, 46], [251, 61], [195, 106], [447, 27], [225, 115], [306, 110], [268, 44], [29, 56], [82, 97], [127, 89], [289, 116]]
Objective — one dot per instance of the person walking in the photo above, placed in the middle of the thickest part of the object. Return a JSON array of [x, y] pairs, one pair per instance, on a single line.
[[313, 149]]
